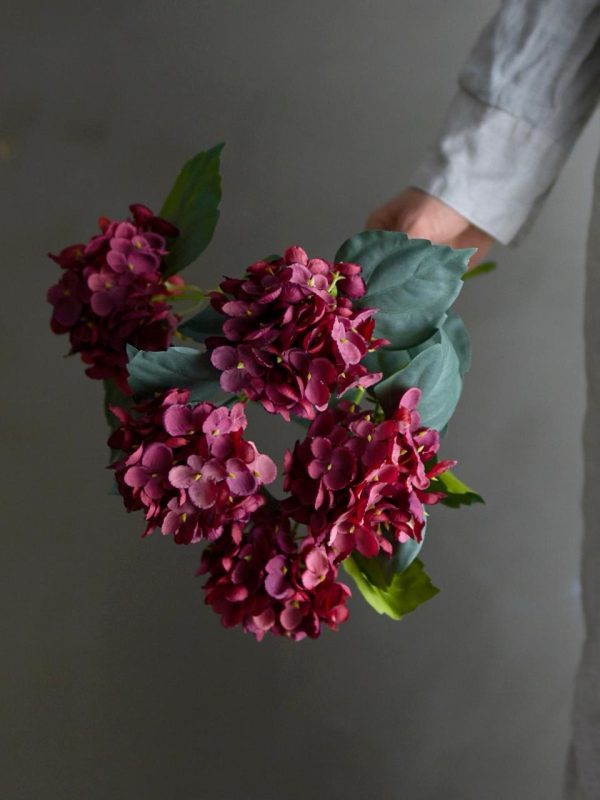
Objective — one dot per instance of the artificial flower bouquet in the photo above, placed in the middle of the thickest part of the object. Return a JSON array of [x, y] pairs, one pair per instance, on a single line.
[[363, 351]]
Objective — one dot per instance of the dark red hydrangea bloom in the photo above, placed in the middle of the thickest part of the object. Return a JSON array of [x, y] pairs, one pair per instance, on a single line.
[[113, 293], [291, 336], [188, 467], [360, 484], [264, 581]]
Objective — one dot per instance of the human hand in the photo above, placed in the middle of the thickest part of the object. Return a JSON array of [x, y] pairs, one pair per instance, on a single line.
[[422, 216]]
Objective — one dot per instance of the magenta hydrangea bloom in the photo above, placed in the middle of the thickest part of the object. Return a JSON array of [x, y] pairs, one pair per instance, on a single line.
[[291, 337], [265, 581], [361, 484], [190, 484], [113, 292]]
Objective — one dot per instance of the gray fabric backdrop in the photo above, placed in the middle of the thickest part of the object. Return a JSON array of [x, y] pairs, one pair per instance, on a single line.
[[116, 681]]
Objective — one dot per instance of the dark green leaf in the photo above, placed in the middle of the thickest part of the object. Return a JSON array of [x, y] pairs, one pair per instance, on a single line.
[[207, 322], [396, 596], [457, 493], [177, 367], [113, 396], [436, 371], [489, 266], [193, 206], [411, 281]]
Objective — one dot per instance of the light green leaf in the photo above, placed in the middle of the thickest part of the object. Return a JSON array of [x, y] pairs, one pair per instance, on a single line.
[[394, 597], [457, 493], [177, 367], [193, 206], [489, 266], [411, 282]]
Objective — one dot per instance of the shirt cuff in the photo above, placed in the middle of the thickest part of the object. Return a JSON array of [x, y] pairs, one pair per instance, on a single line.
[[492, 167]]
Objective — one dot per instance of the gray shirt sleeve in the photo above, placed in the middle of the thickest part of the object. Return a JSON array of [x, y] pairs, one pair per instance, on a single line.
[[525, 93]]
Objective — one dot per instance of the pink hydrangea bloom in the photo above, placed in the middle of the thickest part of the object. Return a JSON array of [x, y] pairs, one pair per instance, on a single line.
[[190, 484], [265, 581], [291, 337], [112, 293], [361, 484]]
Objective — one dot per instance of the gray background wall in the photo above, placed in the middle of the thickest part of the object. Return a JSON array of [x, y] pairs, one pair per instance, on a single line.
[[117, 682]]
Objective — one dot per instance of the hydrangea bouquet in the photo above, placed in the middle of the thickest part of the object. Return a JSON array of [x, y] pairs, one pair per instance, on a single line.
[[363, 351]]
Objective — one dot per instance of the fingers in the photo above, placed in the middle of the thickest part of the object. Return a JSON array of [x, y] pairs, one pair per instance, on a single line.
[[474, 237], [374, 222], [382, 220]]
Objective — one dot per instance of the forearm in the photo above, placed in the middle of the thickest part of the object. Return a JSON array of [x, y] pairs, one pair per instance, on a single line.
[[529, 86]]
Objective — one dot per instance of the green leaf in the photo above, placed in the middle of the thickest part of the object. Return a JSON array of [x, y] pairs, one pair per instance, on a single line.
[[193, 206], [207, 322], [411, 281], [190, 295], [113, 396], [435, 370], [457, 493], [394, 597], [455, 329], [177, 367], [389, 361], [403, 555], [489, 266]]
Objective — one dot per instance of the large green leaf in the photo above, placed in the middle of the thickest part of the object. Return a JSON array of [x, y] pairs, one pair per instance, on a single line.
[[390, 361], [177, 367], [411, 282], [435, 370], [395, 596], [193, 206], [457, 493], [207, 322], [456, 331]]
